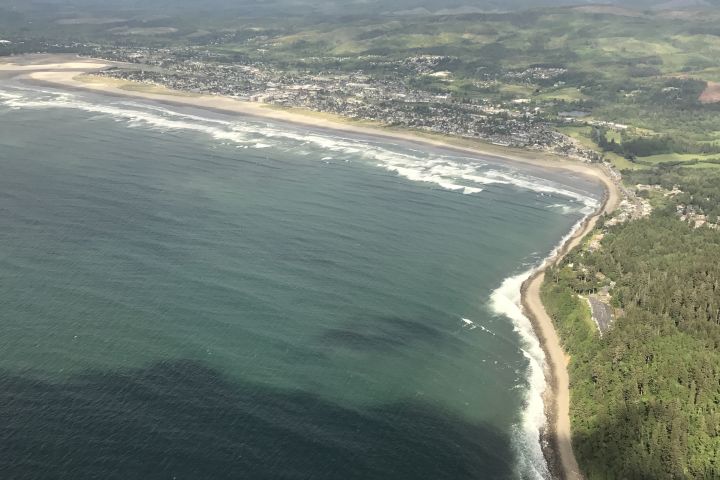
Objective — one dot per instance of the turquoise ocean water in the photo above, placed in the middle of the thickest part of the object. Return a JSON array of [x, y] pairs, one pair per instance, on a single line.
[[185, 294]]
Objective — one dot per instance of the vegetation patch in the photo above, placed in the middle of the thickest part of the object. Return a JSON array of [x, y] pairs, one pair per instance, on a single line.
[[646, 396]]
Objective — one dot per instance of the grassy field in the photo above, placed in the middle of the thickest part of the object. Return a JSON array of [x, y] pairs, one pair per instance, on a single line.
[[582, 135], [679, 157], [570, 95]]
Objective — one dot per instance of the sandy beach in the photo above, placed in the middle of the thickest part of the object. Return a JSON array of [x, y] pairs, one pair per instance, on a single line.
[[557, 398], [75, 73], [63, 71]]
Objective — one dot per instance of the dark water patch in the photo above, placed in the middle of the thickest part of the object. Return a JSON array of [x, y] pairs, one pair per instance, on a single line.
[[384, 333], [360, 341], [184, 420]]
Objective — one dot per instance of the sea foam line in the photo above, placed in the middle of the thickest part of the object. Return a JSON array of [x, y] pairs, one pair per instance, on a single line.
[[465, 175], [506, 300]]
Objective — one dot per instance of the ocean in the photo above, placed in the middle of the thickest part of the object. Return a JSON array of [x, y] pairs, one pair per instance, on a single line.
[[191, 295]]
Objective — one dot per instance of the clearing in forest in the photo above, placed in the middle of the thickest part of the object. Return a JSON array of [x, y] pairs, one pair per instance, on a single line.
[[711, 94]]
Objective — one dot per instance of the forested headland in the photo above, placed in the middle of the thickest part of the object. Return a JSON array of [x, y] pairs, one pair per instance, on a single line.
[[646, 394]]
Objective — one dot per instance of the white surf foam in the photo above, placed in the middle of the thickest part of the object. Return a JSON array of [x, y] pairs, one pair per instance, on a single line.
[[532, 183], [487, 330], [507, 301], [9, 96], [459, 174], [531, 462], [164, 119], [566, 209]]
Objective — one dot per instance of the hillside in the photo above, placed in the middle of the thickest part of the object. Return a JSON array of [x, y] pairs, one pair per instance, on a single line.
[[329, 7]]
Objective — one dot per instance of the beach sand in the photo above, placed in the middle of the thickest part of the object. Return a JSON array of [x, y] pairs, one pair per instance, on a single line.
[[61, 71], [48, 62], [557, 398]]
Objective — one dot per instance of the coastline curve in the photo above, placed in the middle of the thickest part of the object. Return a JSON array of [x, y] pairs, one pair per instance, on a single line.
[[557, 435], [557, 444]]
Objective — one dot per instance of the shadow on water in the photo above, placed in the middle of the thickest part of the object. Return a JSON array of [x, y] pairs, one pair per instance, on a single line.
[[382, 333], [184, 420]]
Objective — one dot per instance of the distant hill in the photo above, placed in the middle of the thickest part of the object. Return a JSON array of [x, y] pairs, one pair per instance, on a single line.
[[332, 7]]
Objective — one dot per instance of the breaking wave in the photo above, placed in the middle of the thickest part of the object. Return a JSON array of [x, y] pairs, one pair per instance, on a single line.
[[468, 176], [506, 300]]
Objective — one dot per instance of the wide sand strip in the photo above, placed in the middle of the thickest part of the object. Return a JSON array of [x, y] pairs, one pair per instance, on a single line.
[[63, 74]]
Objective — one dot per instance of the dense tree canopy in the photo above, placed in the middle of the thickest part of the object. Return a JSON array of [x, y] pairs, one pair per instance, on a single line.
[[646, 395]]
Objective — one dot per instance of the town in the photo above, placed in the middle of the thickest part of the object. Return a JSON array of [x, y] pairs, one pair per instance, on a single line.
[[387, 99]]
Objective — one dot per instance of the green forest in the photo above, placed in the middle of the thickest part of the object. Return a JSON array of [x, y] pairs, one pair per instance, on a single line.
[[646, 395], [700, 188]]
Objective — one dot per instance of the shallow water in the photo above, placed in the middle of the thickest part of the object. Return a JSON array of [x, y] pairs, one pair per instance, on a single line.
[[190, 295]]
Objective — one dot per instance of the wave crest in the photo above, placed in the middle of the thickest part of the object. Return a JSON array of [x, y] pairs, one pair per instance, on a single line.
[[464, 175]]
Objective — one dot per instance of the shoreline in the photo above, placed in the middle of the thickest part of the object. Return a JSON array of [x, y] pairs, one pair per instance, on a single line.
[[61, 72], [556, 439]]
